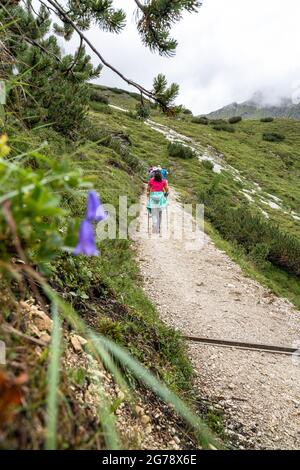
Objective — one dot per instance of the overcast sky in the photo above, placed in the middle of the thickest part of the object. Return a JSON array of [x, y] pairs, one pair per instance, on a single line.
[[226, 52]]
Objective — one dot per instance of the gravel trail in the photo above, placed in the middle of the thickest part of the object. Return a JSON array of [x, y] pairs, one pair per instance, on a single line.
[[203, 293]]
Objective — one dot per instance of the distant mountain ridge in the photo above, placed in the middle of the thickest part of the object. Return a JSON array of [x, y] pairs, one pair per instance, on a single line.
[[255, 108]]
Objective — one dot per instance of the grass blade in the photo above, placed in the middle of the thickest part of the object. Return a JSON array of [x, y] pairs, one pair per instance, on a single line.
[[141, 373], [107, 418], [203, 432], [53, 380]]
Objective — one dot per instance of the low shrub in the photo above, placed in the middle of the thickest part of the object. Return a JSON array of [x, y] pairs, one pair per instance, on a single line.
[[177, 150], [95, 134], [138, 166], [100, 107], [208, 165], [262, 240], [200, 120], [267, 119], [142, 111], [223, 127], [118, 91], [216, 122], [99, 98], [132, 115], [273, 137], [31, 197], [235, 119], [187, 111], [259, 253]]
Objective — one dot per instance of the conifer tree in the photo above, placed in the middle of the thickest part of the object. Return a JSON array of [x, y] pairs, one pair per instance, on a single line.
[[53, 81], [155, 19], [53, 88]]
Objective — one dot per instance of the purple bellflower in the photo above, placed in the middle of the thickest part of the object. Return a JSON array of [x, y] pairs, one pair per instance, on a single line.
[[95, 211], [86, 238], [86, 243]]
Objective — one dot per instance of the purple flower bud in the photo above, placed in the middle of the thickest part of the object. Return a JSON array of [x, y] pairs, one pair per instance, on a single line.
[[86, 243], [95, 211]]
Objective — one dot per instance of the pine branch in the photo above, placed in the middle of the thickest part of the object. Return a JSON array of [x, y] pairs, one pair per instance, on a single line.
[[39, 46], [139, 4], [157, 19], [70, 69], [30, 41], [64, 17], [32, 8]]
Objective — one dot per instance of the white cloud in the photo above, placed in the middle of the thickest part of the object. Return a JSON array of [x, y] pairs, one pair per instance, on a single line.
[[226, 52]]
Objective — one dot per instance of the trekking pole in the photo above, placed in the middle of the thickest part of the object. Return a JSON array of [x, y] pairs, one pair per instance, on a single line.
[[167, 218], [160, 222]]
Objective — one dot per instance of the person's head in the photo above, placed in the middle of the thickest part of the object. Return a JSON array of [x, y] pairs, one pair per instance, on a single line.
[[158, 176]]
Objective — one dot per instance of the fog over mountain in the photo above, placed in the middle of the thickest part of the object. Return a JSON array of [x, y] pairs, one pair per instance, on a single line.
[[261, 105]]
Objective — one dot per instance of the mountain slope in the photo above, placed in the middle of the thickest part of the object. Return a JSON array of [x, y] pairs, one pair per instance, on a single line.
[[203, 293], [105, 292], [244, 173]]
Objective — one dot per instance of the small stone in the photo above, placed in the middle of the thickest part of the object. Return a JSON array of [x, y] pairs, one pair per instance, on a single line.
[[145, 419], [139, 410], [76, 343], [45, 337], [42, 321], [34, 330], [38, 351], [81, 340], [148, 429]]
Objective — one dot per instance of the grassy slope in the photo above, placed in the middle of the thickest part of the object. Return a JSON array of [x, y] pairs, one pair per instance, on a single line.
[[274, 166], [119, 97], [116, 268], [106, 291]]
